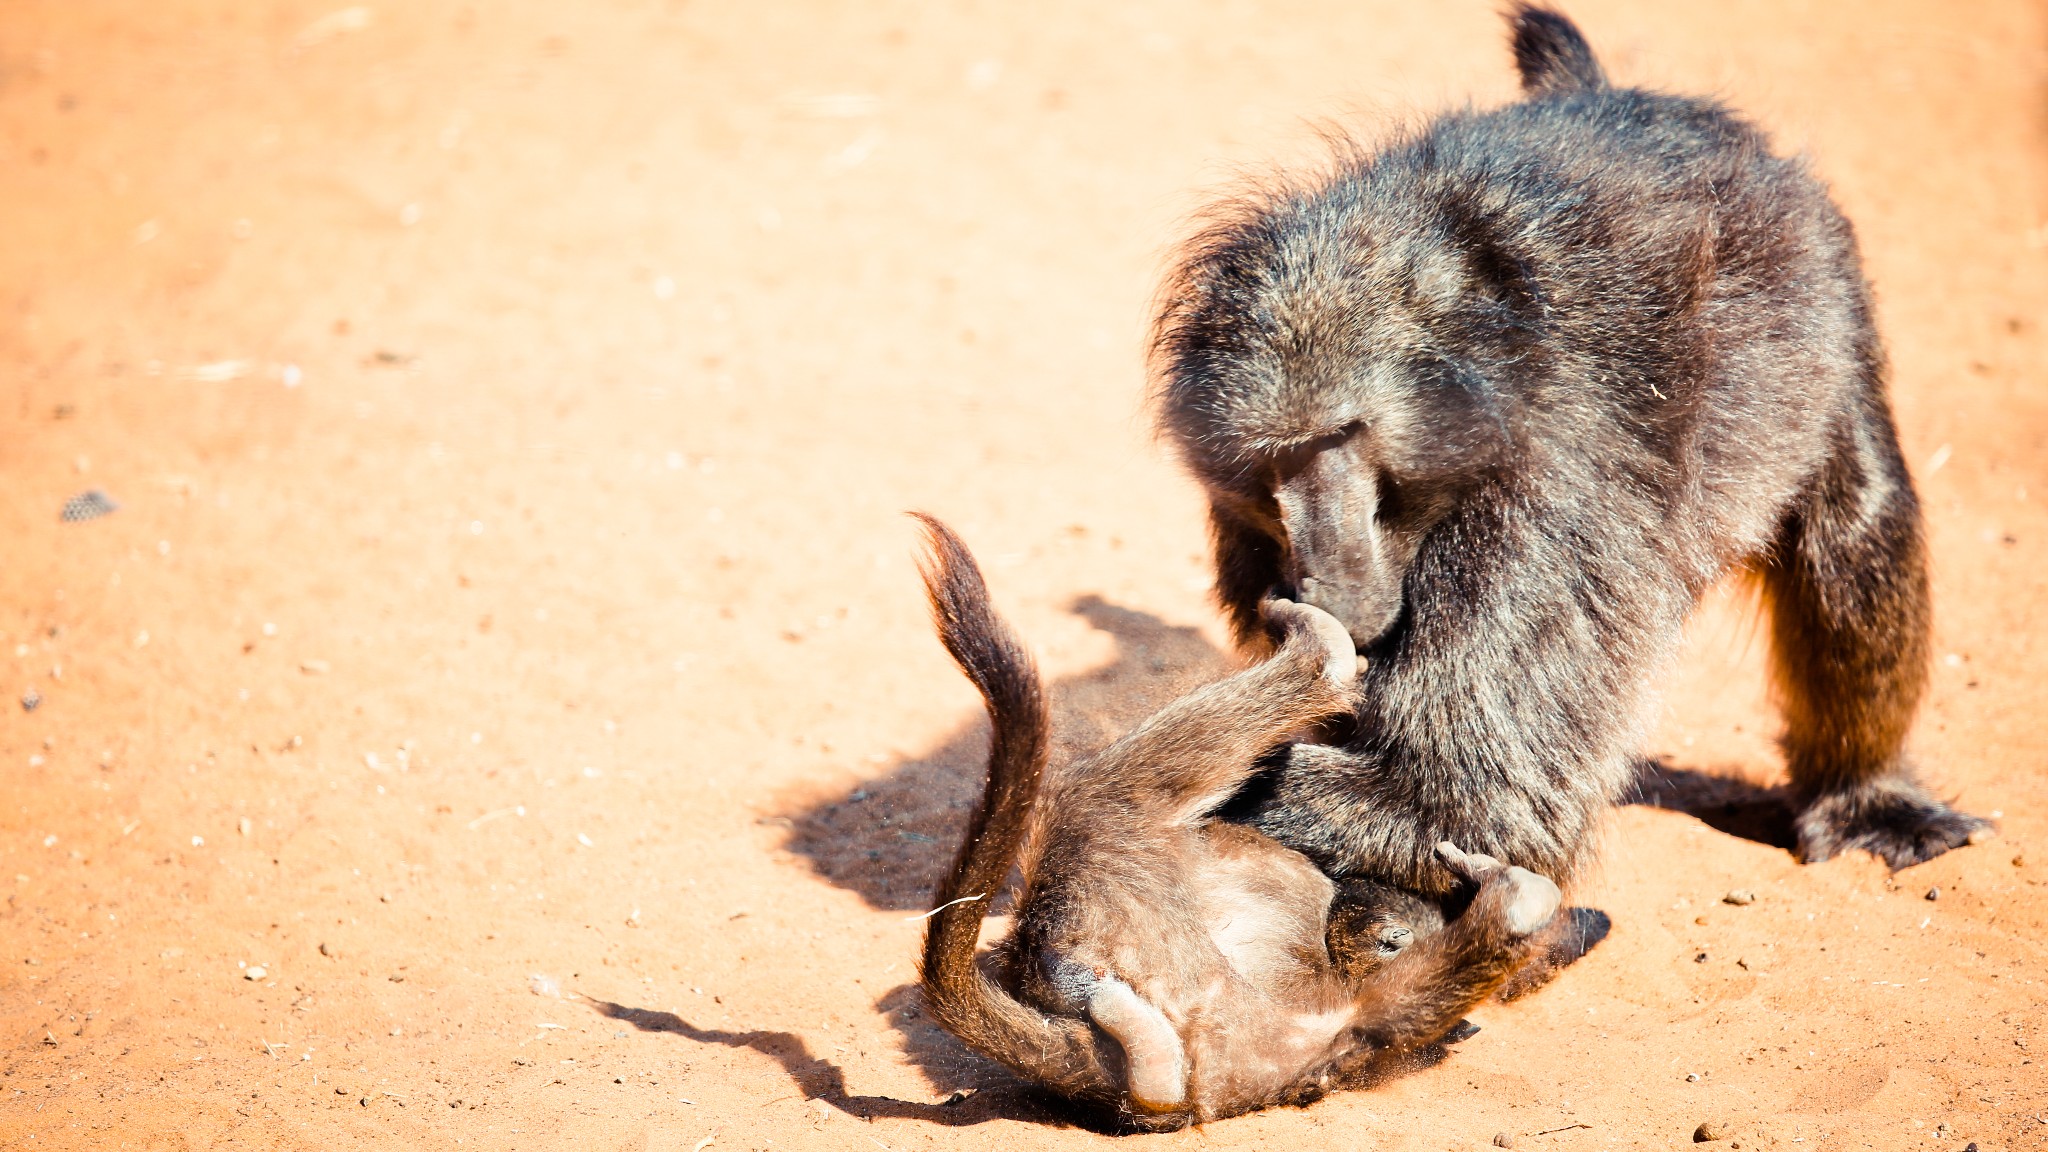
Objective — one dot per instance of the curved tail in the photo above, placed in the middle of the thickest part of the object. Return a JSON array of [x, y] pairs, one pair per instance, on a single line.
[[1551, 54], [1058, 1053]]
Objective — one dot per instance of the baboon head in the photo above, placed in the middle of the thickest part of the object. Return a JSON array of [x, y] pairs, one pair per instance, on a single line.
[[1329, 373]]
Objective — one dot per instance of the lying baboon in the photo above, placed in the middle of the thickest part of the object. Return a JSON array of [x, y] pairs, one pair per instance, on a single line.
[[1505, 398], [1164, 966]]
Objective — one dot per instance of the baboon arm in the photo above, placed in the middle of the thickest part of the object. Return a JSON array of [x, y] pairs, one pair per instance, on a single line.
[[1349, 813]]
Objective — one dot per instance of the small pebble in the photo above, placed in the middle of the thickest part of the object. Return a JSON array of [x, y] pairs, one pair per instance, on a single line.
[[1503, 1140], [88, 505], [1943, 1130], [30, 699], [1934, 893], [1700, 959], [254, 972], [1692, 1077], [1739, 896], [1712, 1130]]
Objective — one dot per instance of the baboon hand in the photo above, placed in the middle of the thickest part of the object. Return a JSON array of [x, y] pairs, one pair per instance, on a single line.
[[1340, 663], [1473, 866]]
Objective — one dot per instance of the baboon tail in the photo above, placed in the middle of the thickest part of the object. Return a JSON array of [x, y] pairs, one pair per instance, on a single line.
[[1551, 53], [1057, 1053]]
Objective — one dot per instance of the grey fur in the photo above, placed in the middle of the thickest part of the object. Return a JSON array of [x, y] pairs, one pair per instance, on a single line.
[[1506, 397]]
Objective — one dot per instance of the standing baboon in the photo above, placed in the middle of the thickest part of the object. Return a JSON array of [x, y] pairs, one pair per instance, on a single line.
[[1165, 966], [1505, 398]]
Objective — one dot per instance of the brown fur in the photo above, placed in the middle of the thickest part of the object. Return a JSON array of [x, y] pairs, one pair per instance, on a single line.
[[1164, 966]]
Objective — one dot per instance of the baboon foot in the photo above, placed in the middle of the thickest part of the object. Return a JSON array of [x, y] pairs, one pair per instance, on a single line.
[[1527, 902], [1893, 819]]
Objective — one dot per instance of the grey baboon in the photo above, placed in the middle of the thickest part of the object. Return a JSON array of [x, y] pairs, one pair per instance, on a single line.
[[1505, 397], [1163, 966]]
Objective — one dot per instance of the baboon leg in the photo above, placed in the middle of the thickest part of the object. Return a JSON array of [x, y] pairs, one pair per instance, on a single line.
[[1193, 753], [1847, 589]]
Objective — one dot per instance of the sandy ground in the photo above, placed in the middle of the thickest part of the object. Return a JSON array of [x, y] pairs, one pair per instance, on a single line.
[[510, 408]]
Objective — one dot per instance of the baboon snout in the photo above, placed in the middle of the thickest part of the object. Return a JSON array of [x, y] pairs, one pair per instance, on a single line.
[[1359, 604], [1338, 555]]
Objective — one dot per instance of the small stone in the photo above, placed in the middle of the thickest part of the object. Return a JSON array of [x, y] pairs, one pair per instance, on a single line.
[[1692, 1077], [1503, 1140], [328, 950], [254, 972], [1739, 896], [1712, 1130], [88, 505], [618, 1079], [1934, 893], [30, 699], [1700, 959], [340, 1091], [1943, 1130]]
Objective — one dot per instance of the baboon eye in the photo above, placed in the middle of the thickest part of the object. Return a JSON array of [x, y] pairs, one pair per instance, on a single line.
[[1389, 496]]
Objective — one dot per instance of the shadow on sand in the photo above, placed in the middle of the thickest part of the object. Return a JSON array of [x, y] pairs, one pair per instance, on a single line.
[[820, 1079], [1725, 803]]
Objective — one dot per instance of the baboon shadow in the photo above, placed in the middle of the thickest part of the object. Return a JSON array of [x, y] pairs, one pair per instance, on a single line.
[[1724, 802], [820, 1079], [891, 838]]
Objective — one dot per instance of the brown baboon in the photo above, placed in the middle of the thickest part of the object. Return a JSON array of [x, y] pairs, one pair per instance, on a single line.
[[1506, 397], [1163, 966]]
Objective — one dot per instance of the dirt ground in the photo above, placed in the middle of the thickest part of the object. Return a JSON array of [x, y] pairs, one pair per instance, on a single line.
[[500, 711]]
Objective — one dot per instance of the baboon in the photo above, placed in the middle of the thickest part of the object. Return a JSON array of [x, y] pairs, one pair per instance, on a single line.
[[1164, 967], [1505, 397]]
